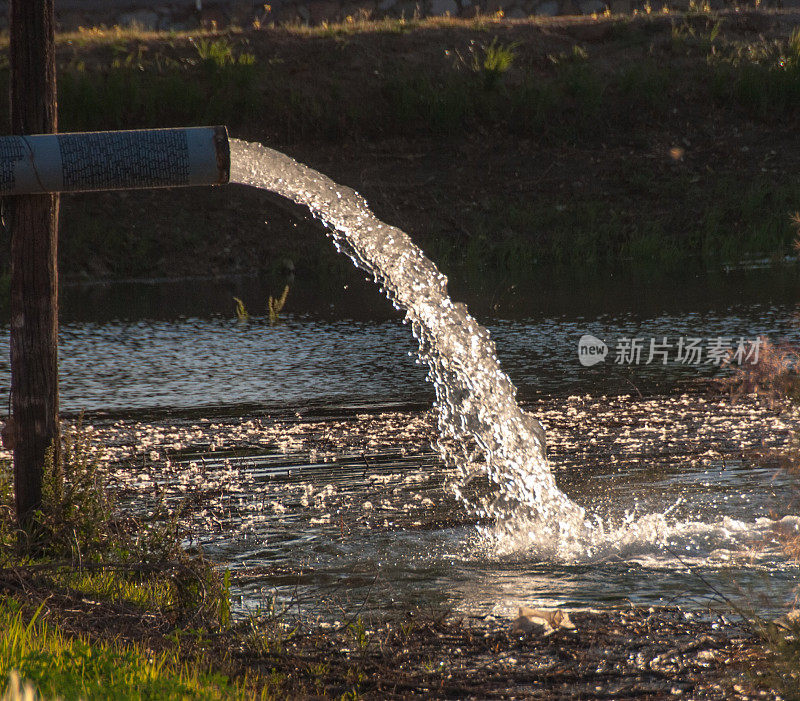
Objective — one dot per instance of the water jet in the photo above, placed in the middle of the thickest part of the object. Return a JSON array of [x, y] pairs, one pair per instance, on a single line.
[[481, 425]]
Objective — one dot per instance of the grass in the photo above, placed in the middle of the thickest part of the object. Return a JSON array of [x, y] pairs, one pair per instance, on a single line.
[[118, 79], [735, 222], [83, 551], [764, 78], [495, 60], [144, 592], [72, 667], [241, 311], [783, 673], [275, 305], [113, 77]]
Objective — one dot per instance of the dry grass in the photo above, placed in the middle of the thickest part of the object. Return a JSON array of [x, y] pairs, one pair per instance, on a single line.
[[774, 378]]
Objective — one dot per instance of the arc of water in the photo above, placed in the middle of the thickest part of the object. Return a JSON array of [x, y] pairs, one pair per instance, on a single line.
[[481, 426]]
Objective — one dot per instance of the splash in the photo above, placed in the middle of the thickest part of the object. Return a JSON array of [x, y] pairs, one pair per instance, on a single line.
[[482, 429]]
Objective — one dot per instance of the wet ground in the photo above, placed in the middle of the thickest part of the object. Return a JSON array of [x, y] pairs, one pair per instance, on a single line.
[[425, 652], [621, 654]]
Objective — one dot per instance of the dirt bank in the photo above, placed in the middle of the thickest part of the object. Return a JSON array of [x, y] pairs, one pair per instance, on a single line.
[[661, 141]]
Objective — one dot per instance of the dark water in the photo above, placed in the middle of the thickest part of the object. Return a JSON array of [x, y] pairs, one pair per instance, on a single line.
[[174, 349], [177, 345]]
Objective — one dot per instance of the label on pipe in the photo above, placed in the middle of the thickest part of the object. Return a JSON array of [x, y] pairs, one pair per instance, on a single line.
[[114, 160]]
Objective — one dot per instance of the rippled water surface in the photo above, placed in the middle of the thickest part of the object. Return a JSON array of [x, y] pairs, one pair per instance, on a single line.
[[340, 508], [363, 354], [313, 439], [305, 446]]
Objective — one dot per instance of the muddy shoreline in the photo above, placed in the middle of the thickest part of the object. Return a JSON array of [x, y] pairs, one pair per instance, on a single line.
[[623, 653]]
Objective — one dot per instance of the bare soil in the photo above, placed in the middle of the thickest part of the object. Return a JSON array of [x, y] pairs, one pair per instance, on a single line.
[[679, 160]]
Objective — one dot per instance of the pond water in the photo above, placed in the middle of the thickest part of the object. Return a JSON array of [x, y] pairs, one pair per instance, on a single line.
[[310, 440], [176, 345]]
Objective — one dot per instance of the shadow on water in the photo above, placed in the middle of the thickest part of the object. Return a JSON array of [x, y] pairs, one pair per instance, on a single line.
[[346, 294]]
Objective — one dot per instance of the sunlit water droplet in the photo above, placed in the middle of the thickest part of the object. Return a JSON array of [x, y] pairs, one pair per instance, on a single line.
[[483, 432]]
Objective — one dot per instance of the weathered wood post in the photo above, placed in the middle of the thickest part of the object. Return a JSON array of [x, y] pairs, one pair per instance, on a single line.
[[34, 274], [30, 167], [35, 165]]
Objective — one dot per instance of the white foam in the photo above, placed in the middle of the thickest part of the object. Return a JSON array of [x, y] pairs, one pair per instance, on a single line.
[[482, 429]]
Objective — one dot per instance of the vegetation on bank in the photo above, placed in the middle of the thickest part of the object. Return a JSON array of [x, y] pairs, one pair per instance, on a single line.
[[646, 137], [87, 593], [57, 665], [478, 80]]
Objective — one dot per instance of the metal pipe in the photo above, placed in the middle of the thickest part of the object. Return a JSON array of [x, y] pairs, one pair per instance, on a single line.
[[114, 160]]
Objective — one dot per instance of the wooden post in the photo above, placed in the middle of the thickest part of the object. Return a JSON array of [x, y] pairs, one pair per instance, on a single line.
[[34, 276]]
